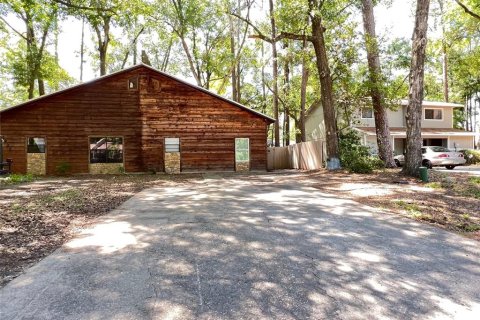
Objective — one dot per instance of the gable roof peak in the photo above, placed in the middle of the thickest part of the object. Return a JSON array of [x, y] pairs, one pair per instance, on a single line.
[[131, 68]]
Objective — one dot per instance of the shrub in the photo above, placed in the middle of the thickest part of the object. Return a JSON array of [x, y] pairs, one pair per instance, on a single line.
[[63, 168], [19, 178], [472, 156], [356, 157]]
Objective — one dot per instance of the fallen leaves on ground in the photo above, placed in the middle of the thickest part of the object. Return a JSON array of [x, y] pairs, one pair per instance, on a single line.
[[40, 216], [449, 200]]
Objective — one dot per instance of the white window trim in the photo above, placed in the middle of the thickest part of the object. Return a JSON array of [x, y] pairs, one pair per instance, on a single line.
[[172, 139], [248, 149], [425, 109], [361, 114]]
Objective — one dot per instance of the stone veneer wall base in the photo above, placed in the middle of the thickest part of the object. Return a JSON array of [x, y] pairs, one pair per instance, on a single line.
[[36, 164], [172, 162]]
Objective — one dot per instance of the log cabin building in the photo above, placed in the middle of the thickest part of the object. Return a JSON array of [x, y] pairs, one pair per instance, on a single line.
[[135, 120]]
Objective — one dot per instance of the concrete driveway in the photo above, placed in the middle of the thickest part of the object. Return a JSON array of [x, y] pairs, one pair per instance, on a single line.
[[250, 248]]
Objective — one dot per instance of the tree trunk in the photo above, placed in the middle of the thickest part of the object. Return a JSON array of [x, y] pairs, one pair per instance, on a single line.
[[445, 71], [103, 41], [275, 75], [298, 135], [303, 98], [103, 61], [472, 111], [413, 157], [234, 66], [82, 50], [166, 57], [375, 75], [31, 87], [30, 38], [264, 89], [331, 135], [286, 107], [444, 54], [196, 75], [41, 87]]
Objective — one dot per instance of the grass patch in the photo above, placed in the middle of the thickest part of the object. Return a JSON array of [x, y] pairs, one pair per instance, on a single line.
[[68, 199], [434, 185], [474, 180], [411, 208], [423, 216], [18, 178], [471, 191], [469, 227]]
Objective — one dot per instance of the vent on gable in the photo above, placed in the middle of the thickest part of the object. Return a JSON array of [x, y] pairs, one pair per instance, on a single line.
[[133, 83]]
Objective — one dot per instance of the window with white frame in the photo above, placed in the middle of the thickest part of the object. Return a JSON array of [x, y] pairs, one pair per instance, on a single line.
[[172, 145], [433, 114], [367, 113], [242, 150]]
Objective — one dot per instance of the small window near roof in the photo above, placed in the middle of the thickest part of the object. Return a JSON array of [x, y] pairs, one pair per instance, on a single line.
[[36, 145], [433, 114], [133, 83], [172, 145], [367, 113]]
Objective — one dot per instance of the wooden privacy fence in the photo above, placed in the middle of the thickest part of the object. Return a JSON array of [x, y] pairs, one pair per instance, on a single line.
[[305, 156]]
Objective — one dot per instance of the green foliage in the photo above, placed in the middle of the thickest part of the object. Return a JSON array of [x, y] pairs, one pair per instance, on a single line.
[[63, 168], [19, 178], [70, 199], [434, 185], [356, 157], [475, 180], [472, 156], [365, 164], [54, 76], [410, 207]]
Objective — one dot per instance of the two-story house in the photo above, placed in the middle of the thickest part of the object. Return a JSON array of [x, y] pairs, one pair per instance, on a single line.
[[437, 127]]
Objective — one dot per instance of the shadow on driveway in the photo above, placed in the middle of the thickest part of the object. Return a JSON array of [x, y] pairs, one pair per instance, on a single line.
[[251, 247]]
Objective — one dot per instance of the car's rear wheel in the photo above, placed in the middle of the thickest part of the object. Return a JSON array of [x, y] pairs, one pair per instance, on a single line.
[[427, 163], [397, 162], [450, 167]]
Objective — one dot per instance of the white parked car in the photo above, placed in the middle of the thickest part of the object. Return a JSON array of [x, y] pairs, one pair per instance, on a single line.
[[436, 157]]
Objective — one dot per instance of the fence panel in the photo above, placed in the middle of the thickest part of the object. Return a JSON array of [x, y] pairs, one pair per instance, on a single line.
[[305, 156]]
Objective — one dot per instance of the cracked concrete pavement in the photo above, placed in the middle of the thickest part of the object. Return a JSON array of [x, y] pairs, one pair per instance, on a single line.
[[251, 247]]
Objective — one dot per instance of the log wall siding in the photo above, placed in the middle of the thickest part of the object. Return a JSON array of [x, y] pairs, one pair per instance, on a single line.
[[207, 126], [161, 107]]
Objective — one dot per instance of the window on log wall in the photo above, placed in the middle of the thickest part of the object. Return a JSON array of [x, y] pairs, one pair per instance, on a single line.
[[172, 145], [242, 150], [36, 145], [106, 150]]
